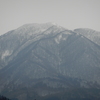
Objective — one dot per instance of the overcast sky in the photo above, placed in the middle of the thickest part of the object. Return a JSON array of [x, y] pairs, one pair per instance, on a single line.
[[70, 14]]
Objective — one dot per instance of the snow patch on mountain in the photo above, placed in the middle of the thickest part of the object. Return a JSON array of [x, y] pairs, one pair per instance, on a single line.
[[5, 54], [57, 40]]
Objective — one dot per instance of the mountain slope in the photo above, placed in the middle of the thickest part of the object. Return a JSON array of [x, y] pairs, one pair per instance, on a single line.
[[90, 34], [13, 41]]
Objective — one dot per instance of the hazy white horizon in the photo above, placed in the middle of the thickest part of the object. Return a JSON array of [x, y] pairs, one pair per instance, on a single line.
[[70, 14]]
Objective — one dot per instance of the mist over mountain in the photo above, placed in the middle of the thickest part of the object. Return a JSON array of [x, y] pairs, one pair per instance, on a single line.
[[49, 62]]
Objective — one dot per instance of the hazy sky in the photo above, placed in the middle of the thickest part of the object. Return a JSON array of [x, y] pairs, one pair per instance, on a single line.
[[70, 14]]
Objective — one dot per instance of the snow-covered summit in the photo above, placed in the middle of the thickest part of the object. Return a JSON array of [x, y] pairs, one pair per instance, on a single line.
[[37, 25], [37, 28]]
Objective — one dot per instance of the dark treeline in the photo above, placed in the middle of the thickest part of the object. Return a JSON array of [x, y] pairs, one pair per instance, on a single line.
[[3, 98]]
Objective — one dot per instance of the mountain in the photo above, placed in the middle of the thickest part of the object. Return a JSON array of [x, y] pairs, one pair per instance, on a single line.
[[49, 62]]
